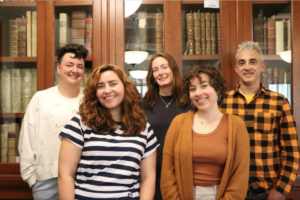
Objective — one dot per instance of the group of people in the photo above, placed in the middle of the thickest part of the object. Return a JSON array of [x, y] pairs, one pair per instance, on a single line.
[[186, 139]]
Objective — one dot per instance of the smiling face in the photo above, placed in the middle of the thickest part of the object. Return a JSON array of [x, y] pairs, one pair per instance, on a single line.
[[70, 70], [249, 67], [202, 95], [162, 73], [110, 91]]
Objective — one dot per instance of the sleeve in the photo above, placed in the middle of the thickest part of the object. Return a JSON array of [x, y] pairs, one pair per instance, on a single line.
[[73, 132], [168, 184], [238, 177], [152, 143], [290, 150], [28, 141]]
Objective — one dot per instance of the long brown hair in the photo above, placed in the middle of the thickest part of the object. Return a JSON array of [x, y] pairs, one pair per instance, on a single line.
[[96, 116], [153, 88]]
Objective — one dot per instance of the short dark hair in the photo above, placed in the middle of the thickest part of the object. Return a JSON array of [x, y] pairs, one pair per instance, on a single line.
[[216, 79], [79, 50]]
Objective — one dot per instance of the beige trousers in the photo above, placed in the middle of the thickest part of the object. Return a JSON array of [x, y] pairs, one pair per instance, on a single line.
[[205, 193]]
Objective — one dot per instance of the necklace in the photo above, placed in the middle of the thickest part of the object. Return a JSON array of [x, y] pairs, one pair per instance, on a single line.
[[204, 127], [167, 104]]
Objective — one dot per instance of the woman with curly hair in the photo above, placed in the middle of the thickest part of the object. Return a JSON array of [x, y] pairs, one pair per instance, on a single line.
[[164, 100], [108, 147], [206, 153]]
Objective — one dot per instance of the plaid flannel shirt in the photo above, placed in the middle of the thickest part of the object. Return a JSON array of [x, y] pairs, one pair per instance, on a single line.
[[274, 151]]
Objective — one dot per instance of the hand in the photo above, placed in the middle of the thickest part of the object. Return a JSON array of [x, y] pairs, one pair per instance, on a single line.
[[275, 195]]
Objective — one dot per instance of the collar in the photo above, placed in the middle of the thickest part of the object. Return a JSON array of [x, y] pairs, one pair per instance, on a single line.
[[262, 89]]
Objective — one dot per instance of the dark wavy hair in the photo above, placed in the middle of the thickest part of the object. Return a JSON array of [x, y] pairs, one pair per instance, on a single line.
[[79, 50], [96, 116], [216, 79], [153, 88]]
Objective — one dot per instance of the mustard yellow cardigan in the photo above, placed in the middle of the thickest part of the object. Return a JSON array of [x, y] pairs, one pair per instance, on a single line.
[[177, 166]]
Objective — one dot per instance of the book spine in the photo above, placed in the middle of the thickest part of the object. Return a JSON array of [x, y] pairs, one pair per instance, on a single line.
[[15, 82], [265, 36], [208, 33], [34, 34], [5, 91], [63, 29], [218, 34], [28, 33], [197, 33], [142, 30], [22, 37], [279, 37], [13, 38], [203, 33], [159, 33], [190, 33], [88, 34], [4, 142], [213, 33], [271, 35], [11, 144]]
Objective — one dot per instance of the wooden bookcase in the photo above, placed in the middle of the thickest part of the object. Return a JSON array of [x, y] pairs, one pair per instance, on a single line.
[[109, 46]]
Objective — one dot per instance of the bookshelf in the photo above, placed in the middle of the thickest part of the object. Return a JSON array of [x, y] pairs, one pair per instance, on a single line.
[[109, 39]]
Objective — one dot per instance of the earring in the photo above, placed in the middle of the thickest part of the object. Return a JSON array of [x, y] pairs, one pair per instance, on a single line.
[[219, 97]]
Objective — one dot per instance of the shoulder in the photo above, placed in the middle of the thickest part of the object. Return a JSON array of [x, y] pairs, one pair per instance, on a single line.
[[236, 120], [274, 95], [183, 116]]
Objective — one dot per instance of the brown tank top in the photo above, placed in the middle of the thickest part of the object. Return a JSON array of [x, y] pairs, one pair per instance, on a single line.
[[209, 155]]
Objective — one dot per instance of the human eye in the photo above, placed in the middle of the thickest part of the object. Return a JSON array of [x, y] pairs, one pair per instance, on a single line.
[[80, 67], [192, 89], [253, 61], [100, 86], [204, 85], [155, 69], [241, 62]]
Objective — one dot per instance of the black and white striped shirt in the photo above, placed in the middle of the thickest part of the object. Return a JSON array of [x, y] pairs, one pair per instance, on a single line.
[[109, 167]]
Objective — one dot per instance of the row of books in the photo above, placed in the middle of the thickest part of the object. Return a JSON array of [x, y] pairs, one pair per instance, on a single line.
[[149, 32], [273, 34], [275, 76], [17, 88], [87, 74], [203, 33], [78, 31], [9, 142], [23, 36]]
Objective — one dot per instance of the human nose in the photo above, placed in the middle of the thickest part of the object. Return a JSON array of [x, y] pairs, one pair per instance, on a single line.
[[107, 89]]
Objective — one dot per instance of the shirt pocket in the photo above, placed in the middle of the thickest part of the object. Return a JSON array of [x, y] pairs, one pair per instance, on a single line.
[[263, 122]]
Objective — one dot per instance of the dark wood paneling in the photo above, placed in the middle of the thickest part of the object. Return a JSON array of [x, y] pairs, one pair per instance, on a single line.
[[225, 40], [233, 43], [97, 34], [172, 30], [120, 32], [50, 43]]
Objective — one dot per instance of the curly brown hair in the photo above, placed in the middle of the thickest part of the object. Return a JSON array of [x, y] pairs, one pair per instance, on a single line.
[[96, 116], [153, 88], [216, 79]]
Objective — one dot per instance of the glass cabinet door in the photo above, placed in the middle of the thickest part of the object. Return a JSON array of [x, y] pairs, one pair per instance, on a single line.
[[272, 31], [19, 62], [201, 31], [202, 36], [144, 31], [74, 24]]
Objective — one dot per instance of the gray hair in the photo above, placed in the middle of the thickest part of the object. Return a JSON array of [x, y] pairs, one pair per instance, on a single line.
[[248, 46]]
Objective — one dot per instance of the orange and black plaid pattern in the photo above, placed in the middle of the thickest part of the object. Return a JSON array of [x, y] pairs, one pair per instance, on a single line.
[[274, 151]]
